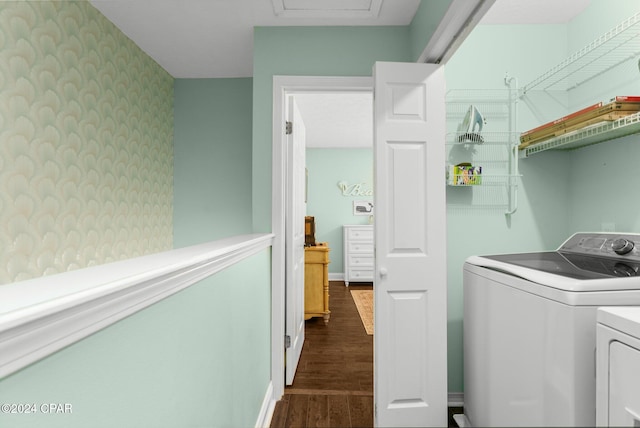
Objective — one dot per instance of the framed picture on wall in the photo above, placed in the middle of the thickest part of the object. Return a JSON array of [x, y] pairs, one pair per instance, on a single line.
[[362, 208]]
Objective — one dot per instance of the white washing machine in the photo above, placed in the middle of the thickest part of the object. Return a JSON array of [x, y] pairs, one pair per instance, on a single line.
[[530, 329], [618, 367]]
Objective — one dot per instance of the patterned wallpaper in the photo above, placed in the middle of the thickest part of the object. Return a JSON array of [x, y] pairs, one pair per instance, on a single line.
[[86, 142]]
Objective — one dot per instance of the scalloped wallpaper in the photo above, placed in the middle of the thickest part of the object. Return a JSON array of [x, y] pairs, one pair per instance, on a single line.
[[86, 142]]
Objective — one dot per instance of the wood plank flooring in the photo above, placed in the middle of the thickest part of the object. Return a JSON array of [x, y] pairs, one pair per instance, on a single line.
[[333, 386]]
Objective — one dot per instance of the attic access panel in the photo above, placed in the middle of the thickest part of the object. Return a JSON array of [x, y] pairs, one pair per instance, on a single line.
[[327, 8]]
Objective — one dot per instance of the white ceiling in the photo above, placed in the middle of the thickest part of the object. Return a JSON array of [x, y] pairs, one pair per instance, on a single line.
[[214, 38]]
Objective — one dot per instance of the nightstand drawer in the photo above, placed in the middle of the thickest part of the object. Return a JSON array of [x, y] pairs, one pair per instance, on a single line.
[[361, 275], [362, 260], [360, 247], [360, 234]]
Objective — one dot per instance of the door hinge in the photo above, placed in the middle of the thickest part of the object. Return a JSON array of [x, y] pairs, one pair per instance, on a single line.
[[288, 128], [287, 342]]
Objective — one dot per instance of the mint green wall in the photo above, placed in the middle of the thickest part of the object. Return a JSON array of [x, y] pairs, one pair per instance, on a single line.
[[187, 361], [325, 201], [541, 221], [602, 178], [596, 20], [212, 152], [604, 186], [308, 51], [600, 17], [555, 186], [424, 23]]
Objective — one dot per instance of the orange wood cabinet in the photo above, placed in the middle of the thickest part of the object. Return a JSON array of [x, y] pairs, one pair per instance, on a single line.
[[316, 282]]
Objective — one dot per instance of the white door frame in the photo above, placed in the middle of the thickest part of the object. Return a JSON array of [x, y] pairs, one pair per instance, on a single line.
[[282, 86]]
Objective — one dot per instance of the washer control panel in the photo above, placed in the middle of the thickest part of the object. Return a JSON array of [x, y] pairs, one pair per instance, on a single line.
[[623, 246]]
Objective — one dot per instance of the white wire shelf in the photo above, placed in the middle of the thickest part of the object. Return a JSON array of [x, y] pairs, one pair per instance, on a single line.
[[481, 139], [494, 149], [616, 46], [594, 134], [485, 180], [495, 193]]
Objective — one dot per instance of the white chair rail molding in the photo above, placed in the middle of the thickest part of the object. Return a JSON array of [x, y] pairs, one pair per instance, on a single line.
[[41, 316]]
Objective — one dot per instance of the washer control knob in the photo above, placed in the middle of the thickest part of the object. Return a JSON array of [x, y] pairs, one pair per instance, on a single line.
[[622, 246]]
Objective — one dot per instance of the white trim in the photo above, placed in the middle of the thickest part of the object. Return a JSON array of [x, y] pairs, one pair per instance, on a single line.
[[282, 11], [267, 408], [457, 23], [283, 85], [41, 316], [461, 420], [336, 276], [455, 399]]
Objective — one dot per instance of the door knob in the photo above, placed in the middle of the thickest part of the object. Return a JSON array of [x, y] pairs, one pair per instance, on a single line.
[[383, 272]]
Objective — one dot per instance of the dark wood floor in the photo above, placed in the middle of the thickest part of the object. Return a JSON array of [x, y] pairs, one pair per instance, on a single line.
[[333, 386]]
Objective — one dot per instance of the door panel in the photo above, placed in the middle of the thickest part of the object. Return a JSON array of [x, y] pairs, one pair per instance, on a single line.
[[410, 235]]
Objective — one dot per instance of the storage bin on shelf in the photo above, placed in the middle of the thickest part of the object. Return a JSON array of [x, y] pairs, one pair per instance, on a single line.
[[464, 174]]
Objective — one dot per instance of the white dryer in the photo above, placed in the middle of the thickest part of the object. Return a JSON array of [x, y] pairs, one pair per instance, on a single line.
[[530, 329], [618, 367]]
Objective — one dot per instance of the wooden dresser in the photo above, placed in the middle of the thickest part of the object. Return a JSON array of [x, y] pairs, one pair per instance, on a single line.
[[316, 282], [358, 253]]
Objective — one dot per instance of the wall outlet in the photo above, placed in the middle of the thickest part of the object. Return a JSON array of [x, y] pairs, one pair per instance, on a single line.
[[608, 227]]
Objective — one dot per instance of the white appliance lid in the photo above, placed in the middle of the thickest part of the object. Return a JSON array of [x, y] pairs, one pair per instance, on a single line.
[[584, 262], [554, 280], [571, 265]]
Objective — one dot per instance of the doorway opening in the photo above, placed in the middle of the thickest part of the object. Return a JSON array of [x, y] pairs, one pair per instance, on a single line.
[[338, 129], [283, 87], [335, 132]]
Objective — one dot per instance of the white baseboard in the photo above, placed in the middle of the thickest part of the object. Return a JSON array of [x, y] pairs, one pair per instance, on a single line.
[[455, 399], [461, 421], [336, 276], [267, 409]]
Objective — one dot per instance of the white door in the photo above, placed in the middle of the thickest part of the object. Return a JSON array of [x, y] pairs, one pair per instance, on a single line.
[[410, 364], [295, 212]]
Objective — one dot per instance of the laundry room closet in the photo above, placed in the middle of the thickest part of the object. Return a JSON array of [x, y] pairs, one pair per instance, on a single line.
[[519, 77]]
